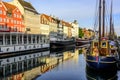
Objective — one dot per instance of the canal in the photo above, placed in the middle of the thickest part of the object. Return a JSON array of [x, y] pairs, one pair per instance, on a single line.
[[62, 64]]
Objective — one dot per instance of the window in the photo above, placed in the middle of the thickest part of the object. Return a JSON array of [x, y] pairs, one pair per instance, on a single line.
[[14, 21], [0, 5], [14, 15], [17, 22], [4, 20], [104, 44], [0, 11], [7, 20], [11, 21], [0, 19], [4, 13], [1, 40], [0, 27]]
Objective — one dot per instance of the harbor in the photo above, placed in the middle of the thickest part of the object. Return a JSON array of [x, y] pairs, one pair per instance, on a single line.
[[44, 46]]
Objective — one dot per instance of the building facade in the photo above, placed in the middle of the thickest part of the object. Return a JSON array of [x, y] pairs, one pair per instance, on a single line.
[[75, 29], [44, 24], [10, 18], [30, 15]]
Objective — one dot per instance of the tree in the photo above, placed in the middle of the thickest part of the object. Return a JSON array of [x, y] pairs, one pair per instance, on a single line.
[[81, 34]]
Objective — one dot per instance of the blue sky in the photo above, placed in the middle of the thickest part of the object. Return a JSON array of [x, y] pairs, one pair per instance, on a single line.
[[70, 10]]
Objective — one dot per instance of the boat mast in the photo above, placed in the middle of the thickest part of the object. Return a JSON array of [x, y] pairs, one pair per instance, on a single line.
[[100, 7], [103, 26], [100, 19], [111, 24]]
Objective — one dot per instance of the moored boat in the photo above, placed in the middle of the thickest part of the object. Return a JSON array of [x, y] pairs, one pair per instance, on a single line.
[[62, 43], [102, 58], [80, 42], [103, 52]]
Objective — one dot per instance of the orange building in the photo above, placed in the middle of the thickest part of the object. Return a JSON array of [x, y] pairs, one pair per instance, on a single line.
[[10, 18]]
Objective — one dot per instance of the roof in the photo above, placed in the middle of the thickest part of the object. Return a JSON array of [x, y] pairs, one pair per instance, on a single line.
[[27, 6], [9, 7], [49, 18], [66, 24]]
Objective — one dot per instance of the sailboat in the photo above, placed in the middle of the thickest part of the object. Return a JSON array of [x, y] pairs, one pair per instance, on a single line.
[[102, 53]]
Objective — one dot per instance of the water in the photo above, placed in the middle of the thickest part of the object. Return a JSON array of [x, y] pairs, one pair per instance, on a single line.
[[72, 69], [62, 64]]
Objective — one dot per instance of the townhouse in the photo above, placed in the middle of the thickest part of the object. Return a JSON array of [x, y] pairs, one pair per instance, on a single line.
[[10, 18], [30, 15]]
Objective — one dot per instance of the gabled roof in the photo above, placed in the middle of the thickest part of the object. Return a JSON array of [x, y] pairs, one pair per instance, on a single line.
[[9, 7], [27, 6], [66, 24], [49, 18]]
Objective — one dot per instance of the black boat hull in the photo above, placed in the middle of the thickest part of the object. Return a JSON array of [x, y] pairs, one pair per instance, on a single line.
[[100, 63], [60, 44], [79, 43]]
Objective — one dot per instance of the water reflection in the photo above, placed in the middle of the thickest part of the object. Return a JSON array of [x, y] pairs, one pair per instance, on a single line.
[[57, 64], [27, 67], [15, 68], [104, 75]]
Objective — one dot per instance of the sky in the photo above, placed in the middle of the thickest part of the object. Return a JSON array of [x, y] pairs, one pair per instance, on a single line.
[[81, 10]]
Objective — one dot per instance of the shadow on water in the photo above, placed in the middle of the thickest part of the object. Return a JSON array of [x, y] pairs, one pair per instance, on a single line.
[[101, 75]]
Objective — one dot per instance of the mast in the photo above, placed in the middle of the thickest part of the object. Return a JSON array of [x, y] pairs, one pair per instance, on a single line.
[[111, 21], [103, 26], [100, 20], [99, 24]]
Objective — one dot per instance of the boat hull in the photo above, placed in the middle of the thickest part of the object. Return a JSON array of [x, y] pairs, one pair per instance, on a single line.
[[61, 44], [99, 63], [82, 42]]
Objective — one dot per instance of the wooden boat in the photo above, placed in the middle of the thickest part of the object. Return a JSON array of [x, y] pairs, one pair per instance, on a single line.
[[103, 57], [102, 54]]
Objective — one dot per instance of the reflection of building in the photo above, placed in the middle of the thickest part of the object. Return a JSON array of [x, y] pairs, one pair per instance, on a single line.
[[76, 55], [30, 16], [67, 55], [29, 64]]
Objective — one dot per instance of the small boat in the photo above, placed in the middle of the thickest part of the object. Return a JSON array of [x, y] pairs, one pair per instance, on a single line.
[[102, 53]]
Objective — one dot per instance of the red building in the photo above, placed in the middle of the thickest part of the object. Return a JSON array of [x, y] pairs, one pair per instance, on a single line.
[[10, 18]]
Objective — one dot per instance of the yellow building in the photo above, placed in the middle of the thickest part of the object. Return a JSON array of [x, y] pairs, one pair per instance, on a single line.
[[44, 24], [30, 16], [88, 33], [67, 29]]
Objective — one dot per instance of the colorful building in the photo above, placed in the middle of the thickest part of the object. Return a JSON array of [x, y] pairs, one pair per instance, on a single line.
[[67, 29], [44, 24], [30, 15], [10, 18]]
